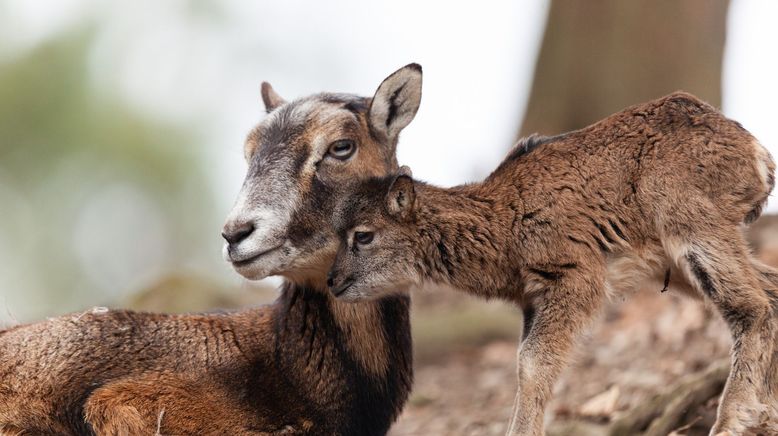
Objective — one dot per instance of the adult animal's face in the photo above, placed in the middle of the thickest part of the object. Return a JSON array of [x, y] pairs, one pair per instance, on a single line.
[[299, 157]]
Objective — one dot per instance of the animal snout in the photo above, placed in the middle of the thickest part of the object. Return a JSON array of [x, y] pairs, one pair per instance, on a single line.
[[235, 232], [338, 287]]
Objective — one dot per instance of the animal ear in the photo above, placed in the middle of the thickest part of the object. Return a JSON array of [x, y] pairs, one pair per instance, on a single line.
[[396, 101], [401, 197], [271, 99]]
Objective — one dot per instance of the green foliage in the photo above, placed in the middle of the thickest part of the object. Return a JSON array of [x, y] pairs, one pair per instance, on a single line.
[[63, 144], [49, 111]]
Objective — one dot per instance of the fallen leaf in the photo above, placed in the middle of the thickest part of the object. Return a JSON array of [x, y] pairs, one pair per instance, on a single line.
[[601, 405]]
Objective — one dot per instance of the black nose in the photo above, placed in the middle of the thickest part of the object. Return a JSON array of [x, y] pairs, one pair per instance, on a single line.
[[233, 234], [330, 279]]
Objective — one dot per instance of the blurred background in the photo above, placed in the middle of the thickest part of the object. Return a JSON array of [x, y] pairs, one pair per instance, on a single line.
[[122, 126]]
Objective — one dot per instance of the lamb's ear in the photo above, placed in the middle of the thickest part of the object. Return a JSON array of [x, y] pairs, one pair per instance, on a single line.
[[271, 99], [396, 101], [401, 197]]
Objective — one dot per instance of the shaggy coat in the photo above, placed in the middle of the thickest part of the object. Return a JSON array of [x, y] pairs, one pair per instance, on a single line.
[[305, 365], [654, 196], [294, 367]]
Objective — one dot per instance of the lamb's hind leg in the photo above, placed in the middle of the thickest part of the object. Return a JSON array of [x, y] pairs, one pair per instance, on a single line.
[[768, 279], [563, 306], [715, 259]]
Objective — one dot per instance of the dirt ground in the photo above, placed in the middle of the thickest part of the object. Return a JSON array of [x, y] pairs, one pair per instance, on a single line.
[[640, 345]]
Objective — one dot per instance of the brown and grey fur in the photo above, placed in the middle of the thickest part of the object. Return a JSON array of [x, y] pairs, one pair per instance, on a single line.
[[306, 364], [657, 193]]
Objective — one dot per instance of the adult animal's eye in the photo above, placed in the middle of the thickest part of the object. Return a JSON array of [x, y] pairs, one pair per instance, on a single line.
[[342, 149], [363, 238]]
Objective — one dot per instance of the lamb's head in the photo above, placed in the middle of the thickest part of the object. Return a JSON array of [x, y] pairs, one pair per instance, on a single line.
[[379, 242], [298, 158]]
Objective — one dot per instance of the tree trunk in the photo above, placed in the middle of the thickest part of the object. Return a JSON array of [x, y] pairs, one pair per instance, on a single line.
[[599, 56]]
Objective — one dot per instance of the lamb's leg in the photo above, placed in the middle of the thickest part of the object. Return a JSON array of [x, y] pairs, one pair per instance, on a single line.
[[715, 260], [768, 279], [562, 309]]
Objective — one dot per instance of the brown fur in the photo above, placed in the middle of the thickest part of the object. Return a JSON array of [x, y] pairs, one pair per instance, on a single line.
[[305, 365], [564, 221], [252, 372]]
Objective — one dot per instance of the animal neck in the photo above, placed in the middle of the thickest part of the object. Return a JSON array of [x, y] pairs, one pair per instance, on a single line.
[[360, 353], [465, 234]]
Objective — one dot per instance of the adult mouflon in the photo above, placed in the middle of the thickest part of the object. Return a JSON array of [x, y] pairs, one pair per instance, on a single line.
[[657, 193], [305, 365]]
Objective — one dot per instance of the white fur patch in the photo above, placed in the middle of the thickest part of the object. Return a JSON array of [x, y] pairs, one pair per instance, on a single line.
[[633, 271], [268, 223], [676, 249], [762, 160]]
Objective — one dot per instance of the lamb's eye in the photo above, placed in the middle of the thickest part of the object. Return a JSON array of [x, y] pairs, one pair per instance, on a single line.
[[363, 238], [342, 149]]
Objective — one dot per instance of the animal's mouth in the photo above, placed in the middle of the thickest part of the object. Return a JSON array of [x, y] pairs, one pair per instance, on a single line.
[[248, 261], [342, 287]]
